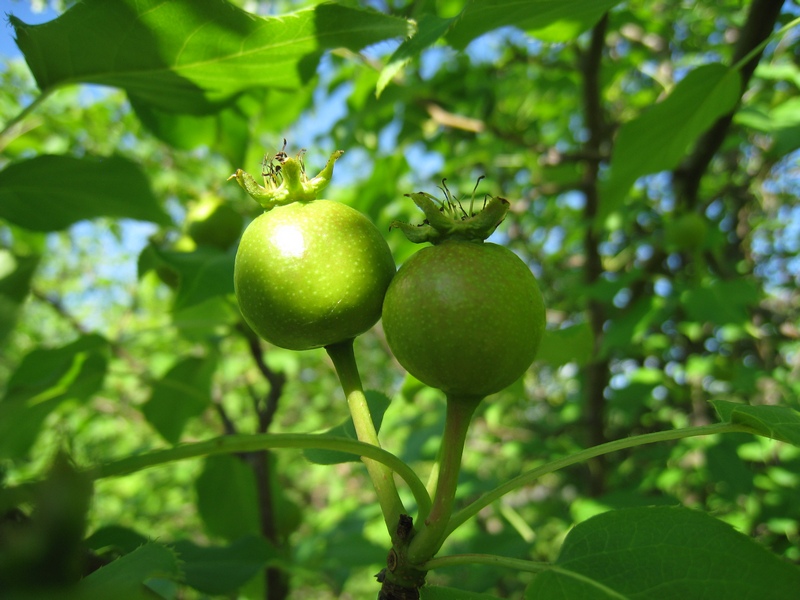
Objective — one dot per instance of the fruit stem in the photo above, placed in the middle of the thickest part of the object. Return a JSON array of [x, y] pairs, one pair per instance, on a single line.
[[344, 361], [529, 477], [431, 535]]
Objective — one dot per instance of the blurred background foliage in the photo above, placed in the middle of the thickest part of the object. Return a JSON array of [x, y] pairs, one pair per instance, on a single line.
[[121, 335]]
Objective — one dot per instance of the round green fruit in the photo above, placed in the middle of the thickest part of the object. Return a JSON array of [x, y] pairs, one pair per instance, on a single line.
[[310, 274], [465, 317], [213, 223]]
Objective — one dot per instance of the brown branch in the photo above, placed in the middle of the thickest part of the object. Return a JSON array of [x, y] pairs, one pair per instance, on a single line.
[[759, 25], [446, 118], [227, 423], [58, 306], [276, 581], [275, 380], [597, 371]]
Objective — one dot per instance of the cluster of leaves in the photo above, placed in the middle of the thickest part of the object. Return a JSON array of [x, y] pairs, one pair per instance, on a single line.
[[605, 123]]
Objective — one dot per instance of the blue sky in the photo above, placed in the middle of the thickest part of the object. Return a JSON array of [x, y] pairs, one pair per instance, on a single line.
[[22, 10]]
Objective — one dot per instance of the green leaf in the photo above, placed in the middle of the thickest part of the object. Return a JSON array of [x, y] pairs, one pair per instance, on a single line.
[[218, 570], [14, 287], [125, 577], [115, 537], [659, 138], [227, 497], [46, 549], [202, 274], [669, 553], [549, 20], [778, 72], [183, 393], [50, 193], [571, 344], [435, 592], [182, 131], [430, 29], [776, 422], [721, 302], [378, 403], [227, 131], [207, 320], [188, 56], [633, 324], [42, 382], [17, 273], [342, 548], [782, 122]]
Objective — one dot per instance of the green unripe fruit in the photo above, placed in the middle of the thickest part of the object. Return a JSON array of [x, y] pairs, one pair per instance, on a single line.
[[464, 316], [213, 223], [310, 274]]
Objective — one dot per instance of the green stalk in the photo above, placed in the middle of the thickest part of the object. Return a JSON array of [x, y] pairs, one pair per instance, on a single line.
[[433, 476], [236, 444], [530, 476], [8, 128], [344, 361], [456, 560], [749, 56], [432, 533]]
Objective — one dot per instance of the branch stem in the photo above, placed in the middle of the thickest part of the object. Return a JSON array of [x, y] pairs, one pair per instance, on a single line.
[[529, 477], [344, 361], [431, 535], [237, 444], [10, 125], [493, 560]]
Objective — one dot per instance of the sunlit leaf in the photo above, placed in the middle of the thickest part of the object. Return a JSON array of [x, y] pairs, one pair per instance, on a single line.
[[184, 392], [42, 382], [666, 553], [782, 122], [550, 20], [776, 422], [430, 29], [659, 138], [188, 56]]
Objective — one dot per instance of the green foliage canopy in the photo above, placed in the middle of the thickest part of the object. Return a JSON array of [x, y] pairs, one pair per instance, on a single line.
[[603, 123]]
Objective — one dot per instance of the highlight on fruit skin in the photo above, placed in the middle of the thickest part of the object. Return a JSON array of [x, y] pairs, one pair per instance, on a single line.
[[309, 272]]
